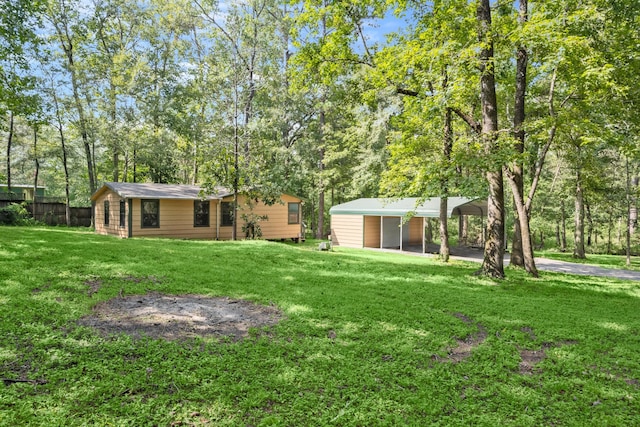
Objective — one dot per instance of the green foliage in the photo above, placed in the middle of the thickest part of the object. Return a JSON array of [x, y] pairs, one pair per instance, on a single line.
[[251, 227], [365, 341], [166, 87], [16, 214]]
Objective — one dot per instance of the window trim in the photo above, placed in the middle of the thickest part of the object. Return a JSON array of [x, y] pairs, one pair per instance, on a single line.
[[157, 202], [206, 203], [297, 221], [106, 212]]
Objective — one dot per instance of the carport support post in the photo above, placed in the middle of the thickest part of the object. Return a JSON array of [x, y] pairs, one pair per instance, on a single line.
[[401, 229], [381, 231]]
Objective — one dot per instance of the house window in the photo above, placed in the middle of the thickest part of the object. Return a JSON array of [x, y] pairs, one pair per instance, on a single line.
[[201, 213], [150, 213], [106, 212], [123, 212], [294, 213], [226, 209]]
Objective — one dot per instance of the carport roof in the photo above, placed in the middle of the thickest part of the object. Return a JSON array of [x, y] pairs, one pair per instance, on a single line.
[[429, 208]]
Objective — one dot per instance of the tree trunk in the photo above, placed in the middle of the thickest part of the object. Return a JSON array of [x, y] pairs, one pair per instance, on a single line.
[[464, 230], [67, 44], [619, 233], [525, 232], [517, 171], [444, 232], [236, 160], [445, 250], [563, 222], [629, 219], [36, 172], [320, 231], [125, 167], [114, 138], [578, 250], [60, 126], [493, 263], [541, 239], [609, 230], [83, 126], [67, 208], [633, 216], [66, 174], [9, 142], [516, 257], [589, 223]]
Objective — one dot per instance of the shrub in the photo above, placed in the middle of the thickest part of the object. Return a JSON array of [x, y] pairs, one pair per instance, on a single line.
[[16, 214], [251, 227]]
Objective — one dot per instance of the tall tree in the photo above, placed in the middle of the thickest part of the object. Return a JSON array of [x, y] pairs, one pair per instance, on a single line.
[[18, 21], [9, 142], [69, 28], [493, 263], [515, 173], [116, 29]]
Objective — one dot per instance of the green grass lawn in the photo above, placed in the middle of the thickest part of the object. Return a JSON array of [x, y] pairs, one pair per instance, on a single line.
[[368, 339]]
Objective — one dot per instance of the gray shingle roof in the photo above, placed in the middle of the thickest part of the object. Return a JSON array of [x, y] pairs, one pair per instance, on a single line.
[[128, 190]]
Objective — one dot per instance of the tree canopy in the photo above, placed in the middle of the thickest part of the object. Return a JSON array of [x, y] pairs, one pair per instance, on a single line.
[[532, 104]]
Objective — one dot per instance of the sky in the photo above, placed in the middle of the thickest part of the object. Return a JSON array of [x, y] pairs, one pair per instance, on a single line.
[[378, 30]]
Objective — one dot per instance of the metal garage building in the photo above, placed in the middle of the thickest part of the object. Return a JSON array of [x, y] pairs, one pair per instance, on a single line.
[[382, 223]]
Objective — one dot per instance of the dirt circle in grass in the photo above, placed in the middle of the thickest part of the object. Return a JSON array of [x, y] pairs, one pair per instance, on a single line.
[[175, 317]]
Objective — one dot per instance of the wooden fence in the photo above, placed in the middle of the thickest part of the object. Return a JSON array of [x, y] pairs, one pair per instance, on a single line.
[[55, 213]]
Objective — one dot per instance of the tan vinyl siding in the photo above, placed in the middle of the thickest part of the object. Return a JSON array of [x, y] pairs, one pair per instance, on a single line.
[[346, 230], [371, 231], [176, 221], [113, 228], [415, 230], [275, 227]]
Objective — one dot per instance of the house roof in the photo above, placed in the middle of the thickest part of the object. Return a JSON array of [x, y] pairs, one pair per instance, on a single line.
[[429, 208], [21, 186], [129, 190]]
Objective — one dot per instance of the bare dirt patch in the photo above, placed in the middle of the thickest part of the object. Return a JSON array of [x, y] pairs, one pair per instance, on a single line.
[[175, 317], [530, 359], [465, 346]]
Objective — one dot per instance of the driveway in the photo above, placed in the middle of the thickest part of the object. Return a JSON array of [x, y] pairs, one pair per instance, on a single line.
[[546, 264]]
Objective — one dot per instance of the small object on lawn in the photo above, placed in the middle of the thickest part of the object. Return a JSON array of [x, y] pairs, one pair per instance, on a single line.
[[324, 246]]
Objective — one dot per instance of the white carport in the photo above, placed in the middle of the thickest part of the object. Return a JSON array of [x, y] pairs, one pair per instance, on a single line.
[[393, 223]]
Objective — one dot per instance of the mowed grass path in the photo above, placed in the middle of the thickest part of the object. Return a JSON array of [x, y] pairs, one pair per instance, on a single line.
[[367, 339]]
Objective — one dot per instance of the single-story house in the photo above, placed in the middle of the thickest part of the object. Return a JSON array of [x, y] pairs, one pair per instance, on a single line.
[[392, 223], [183, 211], [21, 192]]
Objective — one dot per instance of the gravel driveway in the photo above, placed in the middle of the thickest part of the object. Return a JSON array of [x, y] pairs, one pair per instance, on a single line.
[[543, 264], [546, 264]]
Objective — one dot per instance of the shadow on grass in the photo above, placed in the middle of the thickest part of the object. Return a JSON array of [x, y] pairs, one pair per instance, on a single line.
[[357, 347]]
